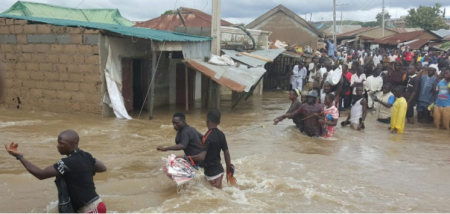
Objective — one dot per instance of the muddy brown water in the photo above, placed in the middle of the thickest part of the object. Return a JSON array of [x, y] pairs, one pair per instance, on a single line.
[[278, 169]]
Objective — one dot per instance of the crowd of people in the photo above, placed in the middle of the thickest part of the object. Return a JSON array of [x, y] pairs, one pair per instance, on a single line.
[[394, 83]]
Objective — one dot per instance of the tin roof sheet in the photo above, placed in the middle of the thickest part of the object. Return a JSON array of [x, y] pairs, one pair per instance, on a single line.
[[34, 9], [239, 79], [253, 62], [145, 33], [192, 17]]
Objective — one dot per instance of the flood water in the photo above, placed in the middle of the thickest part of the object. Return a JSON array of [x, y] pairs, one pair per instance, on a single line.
[[278, 168]]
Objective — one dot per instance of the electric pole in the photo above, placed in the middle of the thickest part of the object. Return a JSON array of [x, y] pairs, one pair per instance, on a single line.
[[341, 14], [382, 25], [334, 21], [214, 88]]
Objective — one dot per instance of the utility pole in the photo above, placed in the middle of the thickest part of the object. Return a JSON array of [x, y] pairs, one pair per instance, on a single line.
[[338, 5], [382, 25], [214, 88], [334, 21]]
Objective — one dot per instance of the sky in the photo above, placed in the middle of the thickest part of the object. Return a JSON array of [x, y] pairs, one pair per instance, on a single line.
[[245, 11]]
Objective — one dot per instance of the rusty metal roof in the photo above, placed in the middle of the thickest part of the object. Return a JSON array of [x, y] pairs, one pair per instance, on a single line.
[[157, 35], [239, 79], [418, 44], [399, 38], [405, 30], [193, 18]]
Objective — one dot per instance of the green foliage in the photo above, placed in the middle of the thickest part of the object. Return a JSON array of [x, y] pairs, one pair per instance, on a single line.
[[427, 18], [370, 24], [167, 12], [445, 45], [379, 17]]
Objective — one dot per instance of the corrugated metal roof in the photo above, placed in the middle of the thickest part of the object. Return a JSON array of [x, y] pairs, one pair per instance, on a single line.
[[145, 33], [354, 32], [270, 54], [342, 29], [418, 43], [192, 17], [405, 30], [33, 9], [442, 32], [239, 79], [399, 38]]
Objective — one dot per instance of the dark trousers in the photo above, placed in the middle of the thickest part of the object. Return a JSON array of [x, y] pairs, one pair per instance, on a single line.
[[347, 100]]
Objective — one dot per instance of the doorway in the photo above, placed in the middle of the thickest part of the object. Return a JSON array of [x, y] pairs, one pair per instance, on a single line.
[[181, 85], [134, 83]]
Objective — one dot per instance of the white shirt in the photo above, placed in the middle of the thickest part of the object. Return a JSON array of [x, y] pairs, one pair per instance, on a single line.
[[323, 70], [376, 60], [312, 73], [355, 79], [392, 58], [373, 83], [299, 73]]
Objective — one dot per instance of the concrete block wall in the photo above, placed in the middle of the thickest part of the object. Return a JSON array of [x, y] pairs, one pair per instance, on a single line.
[[51, 68], [162, 83]]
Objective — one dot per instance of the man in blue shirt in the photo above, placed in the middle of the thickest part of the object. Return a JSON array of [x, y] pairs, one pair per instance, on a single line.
[[442, 106], [426, 95], [331, 48]]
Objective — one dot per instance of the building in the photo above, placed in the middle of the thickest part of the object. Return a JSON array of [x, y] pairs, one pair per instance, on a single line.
[[192, 18], [287, 26], [340, 29], [415, 40], [398, 23], [405, 30], [198, 23], [353, 38], [32, 9], [85, 67]]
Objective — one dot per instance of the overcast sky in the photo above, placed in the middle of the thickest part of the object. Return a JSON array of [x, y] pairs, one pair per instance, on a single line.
[[244, 11]]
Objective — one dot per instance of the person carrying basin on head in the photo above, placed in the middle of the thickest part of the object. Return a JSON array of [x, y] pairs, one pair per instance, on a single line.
[[75, 175]]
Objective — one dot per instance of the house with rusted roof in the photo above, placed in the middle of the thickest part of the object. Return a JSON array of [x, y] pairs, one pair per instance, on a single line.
[[415, 40], [287, 26], [196, 22], [405, 30], [354, 38], [191, 18]]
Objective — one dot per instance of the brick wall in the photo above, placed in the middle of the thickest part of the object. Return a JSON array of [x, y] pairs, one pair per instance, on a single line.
[[51, 68]]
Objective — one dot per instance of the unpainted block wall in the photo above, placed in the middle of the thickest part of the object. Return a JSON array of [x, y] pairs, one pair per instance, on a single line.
[[51, 68]]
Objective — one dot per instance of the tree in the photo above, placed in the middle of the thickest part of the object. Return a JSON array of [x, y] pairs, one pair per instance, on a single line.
[[370, 24], [380, 17], [427, 18], [168, 12]]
